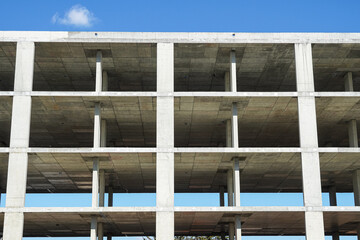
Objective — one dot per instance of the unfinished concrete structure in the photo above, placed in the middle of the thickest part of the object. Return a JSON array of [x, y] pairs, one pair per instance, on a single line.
[[179, 112]]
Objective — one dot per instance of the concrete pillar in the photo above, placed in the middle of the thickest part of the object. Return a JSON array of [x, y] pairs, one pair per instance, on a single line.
[[102, 188], [356, 187], [353, 136], [332, 196], [95, 183], [333, 202], [238, 227], [100, 231], [348, 81], [105, 81], [231, 231], [314, 223], [19, 141], [99, 72], [236, 181], [233, 81], [93, 228], [110, 197], [230, 189], [234, 130], [165, 142], [221, 195], [97, 126], [227, 82], [228, 133], [103, 133]]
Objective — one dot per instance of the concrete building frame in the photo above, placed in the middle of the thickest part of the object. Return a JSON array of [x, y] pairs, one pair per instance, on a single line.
[[165, 220]]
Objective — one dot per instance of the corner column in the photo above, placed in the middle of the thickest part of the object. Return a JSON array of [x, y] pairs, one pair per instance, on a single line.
[[19, 142], [314, 222], [165, 142]]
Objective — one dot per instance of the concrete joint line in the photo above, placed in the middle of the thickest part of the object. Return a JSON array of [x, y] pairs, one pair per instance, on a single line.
[[306, 94], [165, 209], [314, 209], [18, 149], [310, 150], [165, 94], [165, 150]]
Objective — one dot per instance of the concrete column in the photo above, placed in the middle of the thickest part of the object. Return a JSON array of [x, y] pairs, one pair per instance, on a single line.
[[105, 81], [348, 80], [234, 130], [353, 136], [110, 197], [236, 176], [99, 72], [95, 183], [233, 85], [332, 196], [103, 133], [356, 186], [100, 231], [97, 125], [227, 82], [335, 236], [102, 188], [314, 223], [333, 202], [221, 195], [19, 141], [93, 229], [228, 133], [165, 142], [238, 227], [231, 231], [230, 189]]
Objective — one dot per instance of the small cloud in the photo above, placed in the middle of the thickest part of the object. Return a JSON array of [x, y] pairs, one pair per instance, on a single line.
[[77, 15]]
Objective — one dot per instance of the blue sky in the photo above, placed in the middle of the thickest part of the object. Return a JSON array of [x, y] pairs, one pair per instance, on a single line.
[[188, 15], [182, 16]]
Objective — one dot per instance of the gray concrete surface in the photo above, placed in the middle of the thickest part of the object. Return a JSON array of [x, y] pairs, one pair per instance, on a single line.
[[164, 101]]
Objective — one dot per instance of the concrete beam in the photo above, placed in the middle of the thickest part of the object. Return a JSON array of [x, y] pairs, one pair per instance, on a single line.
[[19, 139], [353, 136], [310, 162], [233, 82], [99, 72], [348, 81], [165, 142]]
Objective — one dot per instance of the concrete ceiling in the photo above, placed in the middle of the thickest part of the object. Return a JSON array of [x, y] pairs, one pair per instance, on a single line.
[[198, 67], [199, 121], [194, 172], [205, 222]]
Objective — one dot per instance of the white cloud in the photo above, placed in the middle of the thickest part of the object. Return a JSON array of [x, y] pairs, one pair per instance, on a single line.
[[77, 15]]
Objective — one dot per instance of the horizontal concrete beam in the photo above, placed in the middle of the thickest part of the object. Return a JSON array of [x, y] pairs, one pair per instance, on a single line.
[[185, 37]]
